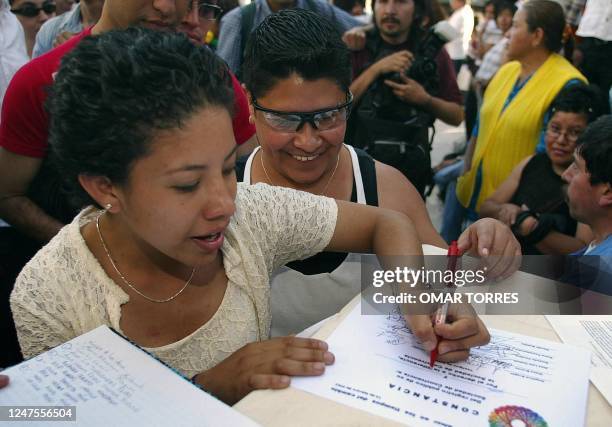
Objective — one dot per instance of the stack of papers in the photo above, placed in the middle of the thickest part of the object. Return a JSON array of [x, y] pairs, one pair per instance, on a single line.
[[381, 368], [111, 382], [595, 334]]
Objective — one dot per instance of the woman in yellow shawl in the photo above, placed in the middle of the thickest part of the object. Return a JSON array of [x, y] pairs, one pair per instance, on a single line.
[[516, 101]]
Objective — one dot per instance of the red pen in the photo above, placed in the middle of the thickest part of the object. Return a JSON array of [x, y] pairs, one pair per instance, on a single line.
[[441, 312]]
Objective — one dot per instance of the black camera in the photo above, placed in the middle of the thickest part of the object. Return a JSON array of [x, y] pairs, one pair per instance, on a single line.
[[393, 131], [424, 70]]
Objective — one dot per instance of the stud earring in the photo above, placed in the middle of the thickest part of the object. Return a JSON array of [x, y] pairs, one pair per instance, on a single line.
[[108, 206], [251, 119]]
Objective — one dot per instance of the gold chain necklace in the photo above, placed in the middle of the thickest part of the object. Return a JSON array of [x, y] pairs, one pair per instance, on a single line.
[[110, 258], [323, 193]]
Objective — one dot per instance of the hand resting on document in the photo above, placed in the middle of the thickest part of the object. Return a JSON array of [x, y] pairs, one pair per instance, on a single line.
[[265, 365]]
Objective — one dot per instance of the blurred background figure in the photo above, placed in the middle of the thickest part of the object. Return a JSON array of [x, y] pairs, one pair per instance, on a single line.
[[238, 24], [496, 28], [32, 14], [461, 20], [61, 28], [492, 46], [211, 31], [593, 55], [356, 8], [516, 104], [485, 27], [433, 14], [532, 199], [199, 21], [64, 6], [491, 55], [13, 52]]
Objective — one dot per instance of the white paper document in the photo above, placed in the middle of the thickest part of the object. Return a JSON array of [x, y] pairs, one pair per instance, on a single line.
[[381, 368], [593, 333], [113, 383]]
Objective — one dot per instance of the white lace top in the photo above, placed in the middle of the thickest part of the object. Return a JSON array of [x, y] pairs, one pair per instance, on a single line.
[[63, 291]]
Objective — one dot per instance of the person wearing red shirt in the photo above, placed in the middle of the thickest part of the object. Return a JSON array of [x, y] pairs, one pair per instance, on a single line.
[[31, 196]]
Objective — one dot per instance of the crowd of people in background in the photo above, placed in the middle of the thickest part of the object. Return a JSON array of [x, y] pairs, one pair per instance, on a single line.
[[115, 141]]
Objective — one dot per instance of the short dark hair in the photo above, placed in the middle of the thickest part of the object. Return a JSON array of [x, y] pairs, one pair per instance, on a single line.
[[420, 9], [114, 91], [432, 10], [579, 98], [347, 5], [596, 149], [501, 5], [295, 41], [547, 15], [426, 14]]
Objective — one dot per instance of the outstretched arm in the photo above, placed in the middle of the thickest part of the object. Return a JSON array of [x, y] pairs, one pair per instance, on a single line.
[[362, 228], [392, 233], [396, 192]]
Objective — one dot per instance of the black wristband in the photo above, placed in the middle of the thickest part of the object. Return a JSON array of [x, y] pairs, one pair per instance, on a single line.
[[520, 218], [546, 223]]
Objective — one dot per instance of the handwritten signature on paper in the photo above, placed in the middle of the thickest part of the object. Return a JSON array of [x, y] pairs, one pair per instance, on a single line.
[[498, 354], [395, 331]]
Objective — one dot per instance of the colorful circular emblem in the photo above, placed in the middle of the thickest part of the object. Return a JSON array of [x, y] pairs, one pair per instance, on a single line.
[[515, 416]]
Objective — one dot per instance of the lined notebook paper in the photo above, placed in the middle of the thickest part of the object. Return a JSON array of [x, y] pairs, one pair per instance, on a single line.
[[113, 383]]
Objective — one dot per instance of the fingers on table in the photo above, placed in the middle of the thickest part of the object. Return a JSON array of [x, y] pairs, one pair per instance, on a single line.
[[269, 381], [296, 357]]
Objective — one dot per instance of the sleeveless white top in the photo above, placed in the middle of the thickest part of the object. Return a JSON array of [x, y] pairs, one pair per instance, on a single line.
[[298, 300]]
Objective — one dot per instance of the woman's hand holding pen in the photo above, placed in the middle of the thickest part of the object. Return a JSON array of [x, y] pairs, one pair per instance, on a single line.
[[265, 365], [463, 330]]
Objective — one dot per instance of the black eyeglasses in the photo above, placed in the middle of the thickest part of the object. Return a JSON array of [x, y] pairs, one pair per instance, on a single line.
[[30, 10], [571, 135], [208, 11], [326, 119]]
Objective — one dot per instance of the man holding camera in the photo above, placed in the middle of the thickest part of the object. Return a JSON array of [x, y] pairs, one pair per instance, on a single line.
[[403, 81]]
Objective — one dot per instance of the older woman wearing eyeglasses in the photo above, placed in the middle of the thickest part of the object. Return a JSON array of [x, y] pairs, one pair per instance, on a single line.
[[32, 14], [532, 199], [516, 102]]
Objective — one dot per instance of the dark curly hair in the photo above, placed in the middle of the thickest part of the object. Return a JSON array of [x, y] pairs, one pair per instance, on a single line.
[[295, 41], [595, 147], [114, 91], [579, 98]]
